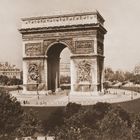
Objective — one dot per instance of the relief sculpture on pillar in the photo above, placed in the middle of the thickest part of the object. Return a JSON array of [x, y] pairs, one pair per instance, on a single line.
[[84, 71], [33, 73]]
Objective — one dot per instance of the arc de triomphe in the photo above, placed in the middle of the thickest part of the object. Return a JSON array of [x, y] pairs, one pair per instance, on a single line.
[[45, 37]]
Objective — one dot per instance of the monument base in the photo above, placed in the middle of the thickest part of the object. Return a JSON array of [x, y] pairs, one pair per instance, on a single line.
[[34, 92]]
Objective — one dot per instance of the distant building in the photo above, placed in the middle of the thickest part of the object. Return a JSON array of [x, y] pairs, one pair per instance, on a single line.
[[9, 70]]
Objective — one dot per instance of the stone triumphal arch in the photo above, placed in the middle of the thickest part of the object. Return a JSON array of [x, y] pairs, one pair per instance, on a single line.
[[45, 37]]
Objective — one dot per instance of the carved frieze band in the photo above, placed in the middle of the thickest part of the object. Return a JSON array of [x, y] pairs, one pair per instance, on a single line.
[[84, 46], [58, 35], [33, 49]]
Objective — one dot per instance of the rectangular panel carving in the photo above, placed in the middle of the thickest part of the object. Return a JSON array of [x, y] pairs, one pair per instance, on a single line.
[[33, 49], [84, 46]]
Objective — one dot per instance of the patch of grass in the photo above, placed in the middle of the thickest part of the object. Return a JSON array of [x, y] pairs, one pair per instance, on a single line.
[[132, 106], [43, 112]]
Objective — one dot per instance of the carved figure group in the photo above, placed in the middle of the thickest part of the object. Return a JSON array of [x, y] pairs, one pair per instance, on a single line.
[[84, 73]]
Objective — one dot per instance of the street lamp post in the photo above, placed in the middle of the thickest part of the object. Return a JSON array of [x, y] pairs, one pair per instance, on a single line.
[[37, 84], [37, 90], [69, 97]]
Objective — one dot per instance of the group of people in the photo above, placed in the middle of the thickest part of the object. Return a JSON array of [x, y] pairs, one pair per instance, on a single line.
[[26, 102]]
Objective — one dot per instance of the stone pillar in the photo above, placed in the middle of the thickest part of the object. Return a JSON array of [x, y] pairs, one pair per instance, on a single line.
[[95, 65], [49, 73], [96, 75], [46, 74], [102, 79], [57, 75], [95, 45], [73, 74], [25, 73], [56, 80]]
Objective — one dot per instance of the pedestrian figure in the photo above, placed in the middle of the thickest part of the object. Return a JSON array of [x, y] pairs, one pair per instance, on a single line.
[[24, 102], [131, 96]]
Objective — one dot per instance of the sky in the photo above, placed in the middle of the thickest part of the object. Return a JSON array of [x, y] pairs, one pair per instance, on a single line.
[[122, 21]]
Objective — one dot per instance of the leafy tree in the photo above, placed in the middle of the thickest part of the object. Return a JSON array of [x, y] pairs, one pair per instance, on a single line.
[[123, 114], [83, 123], [95, 114], [56, 119], [101, 121], [13, 120], [136, 127], [122, 76], [14, 81], [137, 69], [75, 133], [128, 76], [29, 125], [88, 134], [10, 113], [136, 79], [71, 109], [4, 79], [119, 76], [109, 73], [114, 127]]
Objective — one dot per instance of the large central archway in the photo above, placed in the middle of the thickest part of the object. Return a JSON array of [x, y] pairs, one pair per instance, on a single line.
[[53, 65]]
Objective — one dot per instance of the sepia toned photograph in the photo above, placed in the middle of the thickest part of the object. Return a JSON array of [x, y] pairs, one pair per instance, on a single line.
[[69, 70]]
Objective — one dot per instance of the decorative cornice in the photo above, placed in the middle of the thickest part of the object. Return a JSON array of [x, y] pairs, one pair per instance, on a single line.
[[86, 18], [85, 55], [64, 28], [34, 57]]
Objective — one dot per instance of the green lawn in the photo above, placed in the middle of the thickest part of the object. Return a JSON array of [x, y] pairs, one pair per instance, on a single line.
[[44, 112], [131, 106]]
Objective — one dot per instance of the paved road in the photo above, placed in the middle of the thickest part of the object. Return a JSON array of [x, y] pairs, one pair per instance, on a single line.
[[111, 96]]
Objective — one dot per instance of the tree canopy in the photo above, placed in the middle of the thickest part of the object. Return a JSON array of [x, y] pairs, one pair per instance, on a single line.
[[121, 76], [102, 121], [10, 113], [14, 121], [4, 80]]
